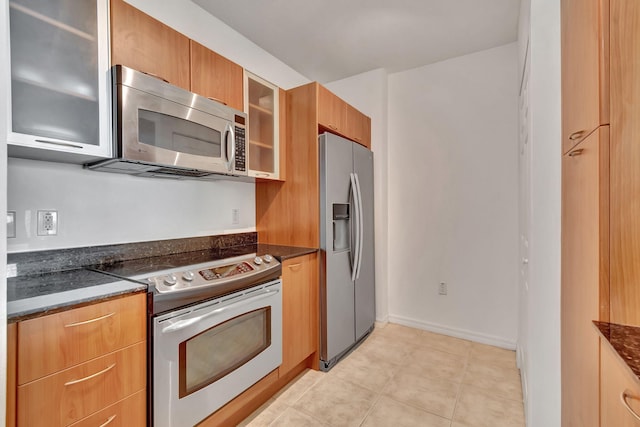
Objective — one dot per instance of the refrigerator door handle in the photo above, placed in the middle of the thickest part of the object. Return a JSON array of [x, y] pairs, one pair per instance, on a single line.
[[356, 251], [360, 216]]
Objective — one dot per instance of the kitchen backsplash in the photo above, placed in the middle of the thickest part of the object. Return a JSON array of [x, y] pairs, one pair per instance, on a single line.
[[97, 208], [36, 262]]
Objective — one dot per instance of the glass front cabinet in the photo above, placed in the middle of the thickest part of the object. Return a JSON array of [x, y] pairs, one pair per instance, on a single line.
[[262, 106], [57, 104]]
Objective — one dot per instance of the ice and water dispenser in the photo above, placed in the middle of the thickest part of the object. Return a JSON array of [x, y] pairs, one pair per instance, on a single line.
[[341, 227]]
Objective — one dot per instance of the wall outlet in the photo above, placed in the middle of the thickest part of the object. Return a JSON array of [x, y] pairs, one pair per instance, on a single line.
[[442, 289], [11, 224], [235, 216], [47, 223]]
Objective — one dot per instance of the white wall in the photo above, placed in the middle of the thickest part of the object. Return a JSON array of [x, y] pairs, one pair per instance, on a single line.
[[453, 196], [368, 93], [4, 77], [98, 208], [543, 322]]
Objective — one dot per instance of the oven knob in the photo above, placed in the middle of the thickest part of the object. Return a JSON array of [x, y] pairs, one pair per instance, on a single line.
[[267, 258], [170, 279], [188, 276], [257, 260]]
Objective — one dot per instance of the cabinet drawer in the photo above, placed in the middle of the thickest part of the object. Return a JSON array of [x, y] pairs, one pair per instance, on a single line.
[[130, 412], [51, 343], [75, 393]]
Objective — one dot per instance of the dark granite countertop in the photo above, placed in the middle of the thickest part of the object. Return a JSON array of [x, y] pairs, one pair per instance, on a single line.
[[40, 294], [625, 341], [283, 253], [89, 275]]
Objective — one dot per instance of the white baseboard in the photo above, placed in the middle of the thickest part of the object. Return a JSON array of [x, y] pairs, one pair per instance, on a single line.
[[454, 332]]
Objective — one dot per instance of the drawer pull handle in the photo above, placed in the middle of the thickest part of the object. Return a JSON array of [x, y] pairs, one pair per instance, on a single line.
[[334, 127], [104, 371], [155, 76], [576, 152], [111, 418], [576, 135], [86, 322], [295, 267], [623, 399]]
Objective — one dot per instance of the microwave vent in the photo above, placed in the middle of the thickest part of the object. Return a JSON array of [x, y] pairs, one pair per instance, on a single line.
[[189, 173]]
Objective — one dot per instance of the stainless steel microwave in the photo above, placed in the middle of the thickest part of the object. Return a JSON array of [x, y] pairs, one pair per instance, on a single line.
[[162, 130]]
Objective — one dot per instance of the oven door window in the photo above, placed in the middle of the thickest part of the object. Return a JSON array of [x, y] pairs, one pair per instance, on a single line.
[[221, 349], [178, 135]]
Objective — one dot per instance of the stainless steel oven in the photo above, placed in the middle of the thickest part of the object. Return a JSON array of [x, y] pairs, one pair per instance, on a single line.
[[215, 329], [207, 354]]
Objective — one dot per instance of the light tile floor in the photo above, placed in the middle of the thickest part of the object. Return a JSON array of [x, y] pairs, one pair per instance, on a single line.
[[404, 377]]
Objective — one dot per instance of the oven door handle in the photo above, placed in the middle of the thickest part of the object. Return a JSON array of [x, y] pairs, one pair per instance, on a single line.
[[185, 323]]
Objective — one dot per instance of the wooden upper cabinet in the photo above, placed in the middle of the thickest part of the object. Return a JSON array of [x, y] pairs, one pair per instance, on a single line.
[[140, 42], [358, 127], [332, 111], [216, 77], [585, 46], [336, 116], [584, 292], [625, 162]]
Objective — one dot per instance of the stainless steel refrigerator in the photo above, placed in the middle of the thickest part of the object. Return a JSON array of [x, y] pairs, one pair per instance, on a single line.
[[347, 279]]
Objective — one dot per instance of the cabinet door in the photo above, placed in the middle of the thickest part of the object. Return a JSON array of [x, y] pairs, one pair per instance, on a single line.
[[140, 42], [358, 127], [299, 310], [59, 57], [584, 68], [584, 281], [617, 378], [625, 163], [78, 335], [214, 76], [332, 111], [263, 109]]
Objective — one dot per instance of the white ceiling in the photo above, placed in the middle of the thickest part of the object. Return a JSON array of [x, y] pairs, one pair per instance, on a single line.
[[327, 40]]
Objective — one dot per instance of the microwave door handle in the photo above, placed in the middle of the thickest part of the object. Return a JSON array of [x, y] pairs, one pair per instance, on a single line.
[[233, 148], [229, 132]]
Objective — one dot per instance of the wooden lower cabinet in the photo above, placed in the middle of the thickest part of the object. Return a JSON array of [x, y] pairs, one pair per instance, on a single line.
[[617, 378], [85, 366], [584, 293], [129, 412], [70, 395], [299, 310]]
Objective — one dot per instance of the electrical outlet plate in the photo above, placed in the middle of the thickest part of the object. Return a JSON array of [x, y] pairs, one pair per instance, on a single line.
[[11, 224], [235, 216], [442, 289], [47, 223]]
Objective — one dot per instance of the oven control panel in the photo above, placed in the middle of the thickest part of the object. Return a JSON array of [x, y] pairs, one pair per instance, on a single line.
[[212, 274]]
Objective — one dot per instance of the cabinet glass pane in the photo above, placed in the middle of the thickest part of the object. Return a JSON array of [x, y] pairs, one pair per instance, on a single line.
[[54, 69], [261, 127]]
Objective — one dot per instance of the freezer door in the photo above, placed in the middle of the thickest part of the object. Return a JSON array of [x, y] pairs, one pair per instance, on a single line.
[[365, 305], [336, 287]]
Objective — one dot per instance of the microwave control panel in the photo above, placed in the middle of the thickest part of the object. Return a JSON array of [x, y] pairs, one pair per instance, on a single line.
[[241, 150]]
